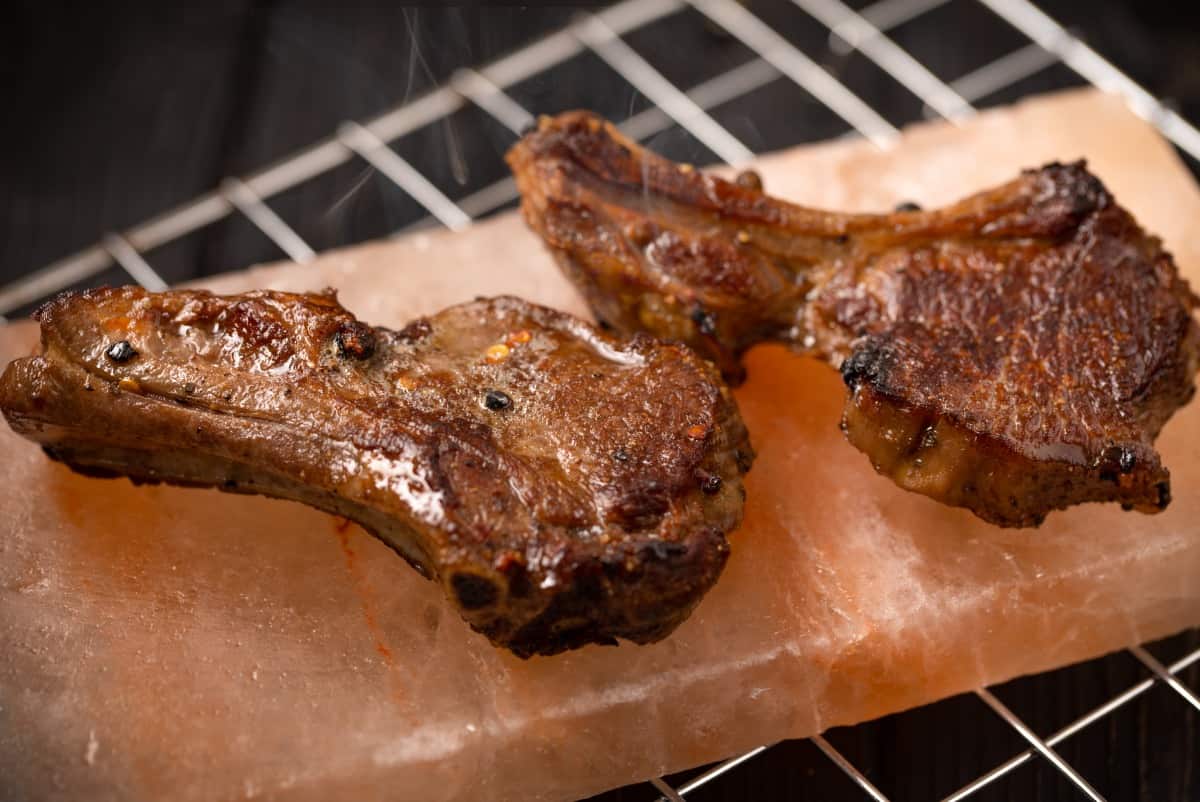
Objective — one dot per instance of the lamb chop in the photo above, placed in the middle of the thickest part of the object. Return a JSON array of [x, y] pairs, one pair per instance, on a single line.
[[1014, 353], [564, 488]]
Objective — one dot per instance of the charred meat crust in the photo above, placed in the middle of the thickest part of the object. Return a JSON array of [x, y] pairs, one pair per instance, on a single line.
[[1037, 319], [480, 443]]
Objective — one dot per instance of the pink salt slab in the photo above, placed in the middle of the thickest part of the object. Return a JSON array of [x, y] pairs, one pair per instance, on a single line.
[[163, 643]]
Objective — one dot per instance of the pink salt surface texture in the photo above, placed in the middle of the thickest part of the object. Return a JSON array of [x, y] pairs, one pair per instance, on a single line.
[[164, 643]]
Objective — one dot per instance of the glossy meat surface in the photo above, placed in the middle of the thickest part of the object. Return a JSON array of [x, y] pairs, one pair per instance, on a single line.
[[562, 487], [1014, 353]]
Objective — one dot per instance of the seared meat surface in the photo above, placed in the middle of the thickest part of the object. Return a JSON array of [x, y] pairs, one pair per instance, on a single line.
[[564, 488], [1014, 353]]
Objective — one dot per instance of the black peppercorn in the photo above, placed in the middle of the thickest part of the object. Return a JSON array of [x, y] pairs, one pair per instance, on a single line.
[[120, 351], [496, 400], [706, 322]]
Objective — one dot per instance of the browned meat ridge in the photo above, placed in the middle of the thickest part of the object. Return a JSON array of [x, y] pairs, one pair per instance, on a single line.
[[564, 488], [1014, 353]]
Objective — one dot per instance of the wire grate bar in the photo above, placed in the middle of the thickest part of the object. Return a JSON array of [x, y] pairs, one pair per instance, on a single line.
[[53, 277], [387, 161], [848, 767], [322, 156], [1066, 732], [561, 45], [737, 82], [438, 104], [333, 152], [269, 223], [495, 101], [526, 62], [529, 61], [485, 200], [716, 771], [208, 208], [1038, 744], [1003, 72], [668, 792], [722, 768], [884, 15], [211, 207], [605, 43], [889, 56], [728, 86], [786, 58], [1166, 676], [1030, 20], [133, 263]]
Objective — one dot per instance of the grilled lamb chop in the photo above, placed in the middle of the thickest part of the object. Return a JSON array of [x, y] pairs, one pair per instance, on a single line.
[[1014, 353], [562, 487]]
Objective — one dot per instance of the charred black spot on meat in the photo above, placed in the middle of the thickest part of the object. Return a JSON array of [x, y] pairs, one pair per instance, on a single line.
[[473, 591], [120, 352], [355, 340], [942, 317], [868, 364], [908, 206]]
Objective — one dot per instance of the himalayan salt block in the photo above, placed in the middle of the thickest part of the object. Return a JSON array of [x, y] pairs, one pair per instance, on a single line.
[[161, 642]]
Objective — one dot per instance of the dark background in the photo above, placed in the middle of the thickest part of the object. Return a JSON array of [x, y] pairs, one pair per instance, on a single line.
[[117, 112]]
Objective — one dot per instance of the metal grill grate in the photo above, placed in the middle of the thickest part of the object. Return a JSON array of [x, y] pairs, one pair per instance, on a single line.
[[865, 31]]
